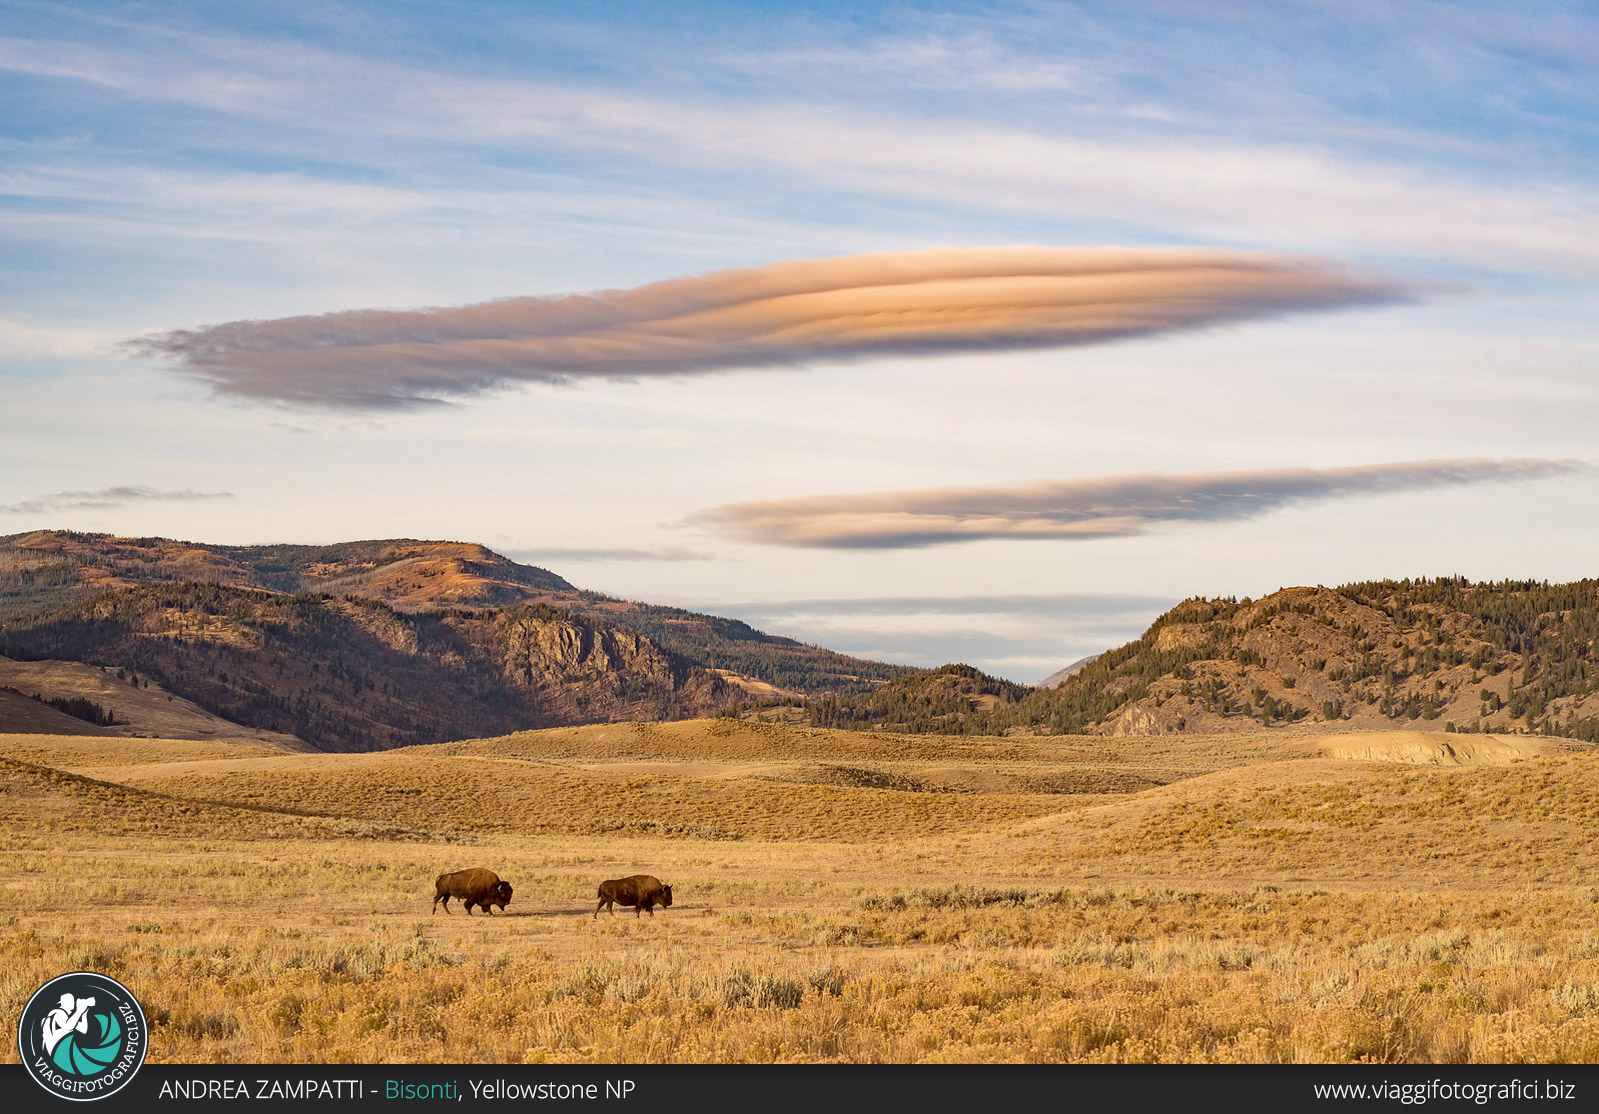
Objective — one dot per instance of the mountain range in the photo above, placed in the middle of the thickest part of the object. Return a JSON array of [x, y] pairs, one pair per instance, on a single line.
[[374, 644]]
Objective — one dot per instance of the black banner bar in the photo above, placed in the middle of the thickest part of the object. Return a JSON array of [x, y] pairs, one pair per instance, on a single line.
[[829, 1088]]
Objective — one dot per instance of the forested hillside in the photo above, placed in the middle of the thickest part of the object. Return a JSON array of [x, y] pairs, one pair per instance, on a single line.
[[354, 674], [48, 570], [1506, 656]]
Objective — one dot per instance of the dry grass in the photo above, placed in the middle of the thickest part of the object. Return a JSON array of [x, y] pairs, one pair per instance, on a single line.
[[746, 741], [142, 707], [483, 795], [1502, 827], [68, 752], [41, 807], [1260, 910]]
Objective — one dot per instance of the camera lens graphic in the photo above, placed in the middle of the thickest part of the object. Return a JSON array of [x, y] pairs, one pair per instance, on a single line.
[[82, 1036]]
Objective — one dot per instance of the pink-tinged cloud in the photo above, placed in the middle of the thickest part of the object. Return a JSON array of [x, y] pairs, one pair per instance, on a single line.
[[1096, 507], [852, 307]]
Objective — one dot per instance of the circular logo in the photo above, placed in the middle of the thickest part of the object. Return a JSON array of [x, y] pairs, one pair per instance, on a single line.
[[82, 1036]]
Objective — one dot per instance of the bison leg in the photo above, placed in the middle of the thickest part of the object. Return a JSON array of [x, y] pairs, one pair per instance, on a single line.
[[446, 900]]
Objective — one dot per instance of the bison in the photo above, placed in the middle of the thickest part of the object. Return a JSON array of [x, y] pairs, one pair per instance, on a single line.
[[641, 891], [476, 886]]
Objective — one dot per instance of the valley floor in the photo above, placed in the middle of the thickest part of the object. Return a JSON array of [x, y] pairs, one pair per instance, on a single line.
[[1280, 897]]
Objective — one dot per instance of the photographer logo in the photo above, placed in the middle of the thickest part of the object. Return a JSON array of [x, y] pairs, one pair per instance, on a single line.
[[82, 1036]]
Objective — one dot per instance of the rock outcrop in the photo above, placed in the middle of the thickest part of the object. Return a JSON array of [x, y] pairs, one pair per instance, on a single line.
[[355, 674]]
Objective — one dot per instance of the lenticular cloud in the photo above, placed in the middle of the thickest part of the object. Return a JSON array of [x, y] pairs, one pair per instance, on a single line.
[[852, 307], [1091, 507]]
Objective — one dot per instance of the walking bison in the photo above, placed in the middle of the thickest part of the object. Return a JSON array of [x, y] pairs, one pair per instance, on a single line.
[[641, 891], [476, 886]]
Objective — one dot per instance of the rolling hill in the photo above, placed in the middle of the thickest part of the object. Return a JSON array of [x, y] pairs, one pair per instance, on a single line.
[[1306, 896], [71, 698]]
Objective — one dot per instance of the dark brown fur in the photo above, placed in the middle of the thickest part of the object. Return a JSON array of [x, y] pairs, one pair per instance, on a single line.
[[641, 891], [476, 886]]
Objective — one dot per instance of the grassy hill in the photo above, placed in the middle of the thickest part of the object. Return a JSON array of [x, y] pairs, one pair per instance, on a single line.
[[75, 697], [1289, 897], [1509, 656], [941, 701]]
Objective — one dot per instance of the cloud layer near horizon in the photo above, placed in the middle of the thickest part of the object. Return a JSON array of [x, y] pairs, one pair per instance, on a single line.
[[893, 303], [1021, 636], [1096, 507], [601, 553], [107, 497]]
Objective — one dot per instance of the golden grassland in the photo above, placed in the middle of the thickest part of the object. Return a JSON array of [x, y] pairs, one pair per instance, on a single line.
[[1171, 899]]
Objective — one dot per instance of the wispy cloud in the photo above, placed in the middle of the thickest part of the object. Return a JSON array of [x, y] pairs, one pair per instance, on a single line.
[[581, 553], [19, 338], [849, 307], [107, 497], [929, 61], [1214, 184], [1075, 605], [1097, 507]]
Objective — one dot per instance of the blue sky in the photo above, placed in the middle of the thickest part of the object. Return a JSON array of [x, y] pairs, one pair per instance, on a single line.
[[169, 167]]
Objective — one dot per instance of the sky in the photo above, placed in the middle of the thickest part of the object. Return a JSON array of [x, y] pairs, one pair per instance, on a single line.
[[923, 332]]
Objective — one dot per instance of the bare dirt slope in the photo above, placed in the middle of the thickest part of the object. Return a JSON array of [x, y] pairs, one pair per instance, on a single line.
[[1440, 748], [140, 706]]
